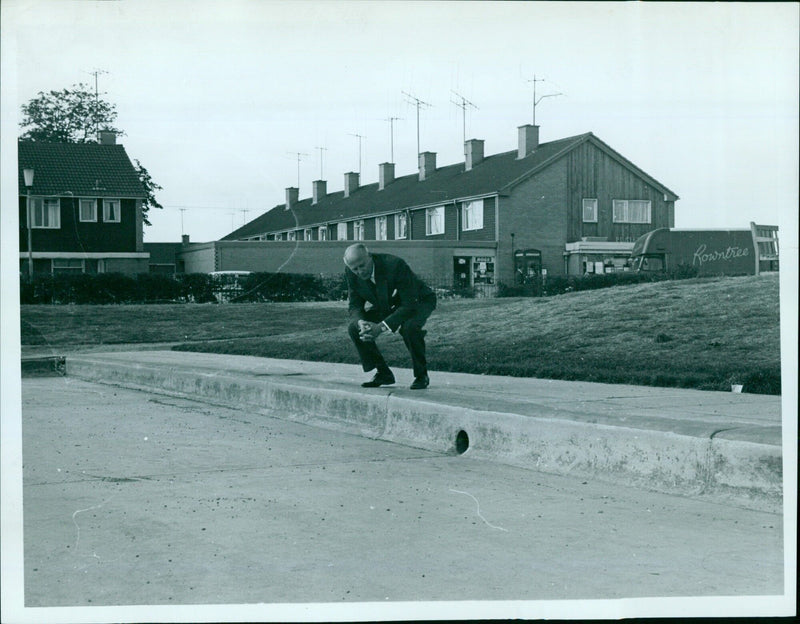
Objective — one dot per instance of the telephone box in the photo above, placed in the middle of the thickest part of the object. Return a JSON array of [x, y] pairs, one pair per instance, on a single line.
[[527, 266]]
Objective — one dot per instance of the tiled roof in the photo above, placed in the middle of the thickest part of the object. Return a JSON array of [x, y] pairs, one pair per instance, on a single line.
[[493, 174], [83, 169]]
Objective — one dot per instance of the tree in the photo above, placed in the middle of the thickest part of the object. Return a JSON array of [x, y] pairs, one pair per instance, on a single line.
[[67, 116], [150, 188], [75, 115]]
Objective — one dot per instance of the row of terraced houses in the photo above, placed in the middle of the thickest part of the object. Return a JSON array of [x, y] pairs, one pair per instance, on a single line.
[[568, 206]]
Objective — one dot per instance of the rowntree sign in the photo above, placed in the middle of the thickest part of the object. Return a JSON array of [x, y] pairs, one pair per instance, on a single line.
[[710, 252], [701, 255]]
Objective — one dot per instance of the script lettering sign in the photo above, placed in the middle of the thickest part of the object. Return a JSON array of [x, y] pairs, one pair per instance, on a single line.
[[702, 255]]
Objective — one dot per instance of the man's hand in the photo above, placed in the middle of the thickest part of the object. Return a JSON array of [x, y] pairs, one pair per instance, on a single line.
[[368, 332]]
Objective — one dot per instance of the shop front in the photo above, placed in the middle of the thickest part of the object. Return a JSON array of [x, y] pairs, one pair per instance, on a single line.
[[474, 271], [586, 257]]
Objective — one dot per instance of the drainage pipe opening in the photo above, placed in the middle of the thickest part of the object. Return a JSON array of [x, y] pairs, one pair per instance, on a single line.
[[462, 442]]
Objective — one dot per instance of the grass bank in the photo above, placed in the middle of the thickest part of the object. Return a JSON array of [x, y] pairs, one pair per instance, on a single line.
[[699, 333], [702, 333]]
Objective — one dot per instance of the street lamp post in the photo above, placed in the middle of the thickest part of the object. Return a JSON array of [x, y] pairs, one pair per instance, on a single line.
[[28, 173]]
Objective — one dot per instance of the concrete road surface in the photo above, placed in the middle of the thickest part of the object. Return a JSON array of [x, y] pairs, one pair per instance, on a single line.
[[135, 498]]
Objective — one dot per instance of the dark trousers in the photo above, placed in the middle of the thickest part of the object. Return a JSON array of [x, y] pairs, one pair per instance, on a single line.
[[412, 333]]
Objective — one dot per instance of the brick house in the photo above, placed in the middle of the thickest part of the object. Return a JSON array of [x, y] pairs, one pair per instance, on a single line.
[[568, 206], [85, 208]]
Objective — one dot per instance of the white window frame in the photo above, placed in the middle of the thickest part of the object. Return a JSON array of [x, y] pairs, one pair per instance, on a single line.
[[381, 228], [107, 203], [78, 265], [434, 220], [358, 230], [93, 210], [308, 234], [322, 234], [472, 215], [291, 235], [623, 211], [400, 226], [589, 204], [341, 231], [45, 213]]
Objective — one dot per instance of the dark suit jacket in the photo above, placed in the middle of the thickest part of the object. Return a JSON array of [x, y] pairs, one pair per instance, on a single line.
[[400, 293]]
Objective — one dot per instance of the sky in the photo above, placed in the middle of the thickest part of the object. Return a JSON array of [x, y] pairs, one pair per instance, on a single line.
[[217, 98]]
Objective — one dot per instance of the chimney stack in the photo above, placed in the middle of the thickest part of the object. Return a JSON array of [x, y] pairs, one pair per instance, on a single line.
[[385, 175], [427, 164], [350, 183], [107, 137], [292, 195], [473, 153], [319, 188], [184, 239], [528, 140]]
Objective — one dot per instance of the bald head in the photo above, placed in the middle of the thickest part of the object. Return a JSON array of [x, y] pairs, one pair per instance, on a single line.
[[358, 260]]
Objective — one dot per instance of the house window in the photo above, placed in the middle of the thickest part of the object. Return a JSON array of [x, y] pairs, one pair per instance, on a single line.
[[307, 235], [67, 265], [358, 230], [472, 215], [590, 211], [323, 232], [631, 211], [400, 225], [434, 221], [341, 231], [380, 228], [45, 213], [111, 212], [291, 235], [88, 210]]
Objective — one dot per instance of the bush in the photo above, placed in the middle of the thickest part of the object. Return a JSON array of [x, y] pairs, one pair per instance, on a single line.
[[109, 288], [197, 288], [560, 284], [290, 287]]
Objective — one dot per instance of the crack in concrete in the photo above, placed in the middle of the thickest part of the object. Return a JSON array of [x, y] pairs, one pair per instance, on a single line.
[[489, 524], [78, 528]]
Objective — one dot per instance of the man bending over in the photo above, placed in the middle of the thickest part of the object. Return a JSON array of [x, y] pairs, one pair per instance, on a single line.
[[400, 300]]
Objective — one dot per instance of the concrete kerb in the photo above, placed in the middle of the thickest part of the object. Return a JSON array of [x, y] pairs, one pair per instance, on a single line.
[[729, 471]]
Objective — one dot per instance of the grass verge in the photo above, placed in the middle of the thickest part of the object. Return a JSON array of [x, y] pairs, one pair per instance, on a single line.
[[700, 333]]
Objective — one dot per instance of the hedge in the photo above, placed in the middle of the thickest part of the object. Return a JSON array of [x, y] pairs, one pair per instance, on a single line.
[[111, 288], [558, 285]]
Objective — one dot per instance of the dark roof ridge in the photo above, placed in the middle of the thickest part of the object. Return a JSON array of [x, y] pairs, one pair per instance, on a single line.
[[76, 168], [443, 167]]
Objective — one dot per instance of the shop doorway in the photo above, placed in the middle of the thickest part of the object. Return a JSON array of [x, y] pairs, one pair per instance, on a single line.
[[461, 272]]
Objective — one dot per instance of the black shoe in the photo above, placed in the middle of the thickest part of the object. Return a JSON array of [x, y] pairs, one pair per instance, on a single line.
[[420, 383], [381, 378]]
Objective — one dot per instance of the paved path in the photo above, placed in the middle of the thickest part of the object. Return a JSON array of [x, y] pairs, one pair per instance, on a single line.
[[138, 498], [719, 445]]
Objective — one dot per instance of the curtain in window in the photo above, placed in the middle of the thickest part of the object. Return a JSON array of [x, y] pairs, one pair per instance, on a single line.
[[400, 225], [45, 213], [472, 215], [435, 218]]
